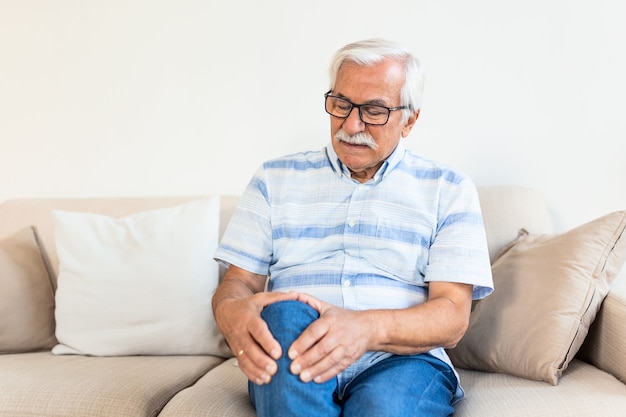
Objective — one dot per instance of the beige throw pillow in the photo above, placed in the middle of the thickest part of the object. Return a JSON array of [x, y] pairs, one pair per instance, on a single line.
[[26, 297], [138, 285], [548, 290]]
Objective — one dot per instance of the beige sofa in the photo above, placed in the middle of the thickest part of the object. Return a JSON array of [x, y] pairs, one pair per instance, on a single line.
[[43, 384]]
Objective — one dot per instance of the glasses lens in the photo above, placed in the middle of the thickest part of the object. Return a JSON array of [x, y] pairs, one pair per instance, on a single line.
[[374, 115], [338, 107]]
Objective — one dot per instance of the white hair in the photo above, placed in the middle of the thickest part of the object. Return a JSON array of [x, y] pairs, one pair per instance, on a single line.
[[373, 51]]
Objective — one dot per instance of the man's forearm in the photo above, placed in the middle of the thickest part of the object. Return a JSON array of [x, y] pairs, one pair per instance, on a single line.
[[418, 329], [237, 284]]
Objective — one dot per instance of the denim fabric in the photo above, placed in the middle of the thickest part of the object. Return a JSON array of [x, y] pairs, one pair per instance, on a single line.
[[286, 395], [417, 385]]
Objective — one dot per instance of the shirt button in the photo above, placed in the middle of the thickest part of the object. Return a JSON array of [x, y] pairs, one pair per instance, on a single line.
[[351, 223], [346, 283]]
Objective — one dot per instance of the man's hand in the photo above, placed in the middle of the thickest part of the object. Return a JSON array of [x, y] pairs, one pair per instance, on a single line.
[[331, 343], [237, 307], [340, 337]]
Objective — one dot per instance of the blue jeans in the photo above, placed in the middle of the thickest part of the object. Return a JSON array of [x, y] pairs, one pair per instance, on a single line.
[[417, 385]]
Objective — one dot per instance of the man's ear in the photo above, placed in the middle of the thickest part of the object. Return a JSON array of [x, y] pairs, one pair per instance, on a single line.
[[408, 125]]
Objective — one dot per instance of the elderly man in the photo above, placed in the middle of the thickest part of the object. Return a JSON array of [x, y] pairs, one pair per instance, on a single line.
[[373, 256]]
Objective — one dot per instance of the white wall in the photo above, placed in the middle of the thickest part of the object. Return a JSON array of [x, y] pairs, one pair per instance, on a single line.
[[128, 97]]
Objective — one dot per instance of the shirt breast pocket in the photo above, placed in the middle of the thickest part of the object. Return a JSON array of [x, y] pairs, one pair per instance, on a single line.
[[400, 249]]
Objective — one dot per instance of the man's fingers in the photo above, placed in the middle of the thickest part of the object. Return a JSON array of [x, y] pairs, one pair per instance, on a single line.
[[256, 365], [263, 337], [254, 345], [329, 345], [267, 298], [251, 352], [331, 364], [317, 304], [309, 337]]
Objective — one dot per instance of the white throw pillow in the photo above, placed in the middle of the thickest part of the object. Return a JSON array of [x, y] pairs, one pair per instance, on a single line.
[[138, 285]]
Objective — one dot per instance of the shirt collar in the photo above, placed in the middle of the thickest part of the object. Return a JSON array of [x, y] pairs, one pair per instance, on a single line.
[[388, 165]]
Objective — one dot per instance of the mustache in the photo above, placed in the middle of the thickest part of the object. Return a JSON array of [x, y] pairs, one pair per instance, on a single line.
[[360, 138]]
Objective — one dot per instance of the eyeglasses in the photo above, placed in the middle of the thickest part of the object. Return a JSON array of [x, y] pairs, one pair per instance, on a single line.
[[370, 114]]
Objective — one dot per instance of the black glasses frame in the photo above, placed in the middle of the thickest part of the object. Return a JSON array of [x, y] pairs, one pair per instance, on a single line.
[[327, 95]]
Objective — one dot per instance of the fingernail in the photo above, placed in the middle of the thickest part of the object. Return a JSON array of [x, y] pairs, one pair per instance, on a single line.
[[258, 381], [317, 379], [266, 378], [275, 353], [271, 369], [295, 368], [305, 376], [293, 354]]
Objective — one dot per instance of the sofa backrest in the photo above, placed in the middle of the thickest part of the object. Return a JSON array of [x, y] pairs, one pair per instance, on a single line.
[[506, 210]]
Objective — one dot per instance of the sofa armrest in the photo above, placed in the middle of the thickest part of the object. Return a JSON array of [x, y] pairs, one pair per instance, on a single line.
[[605, 346]]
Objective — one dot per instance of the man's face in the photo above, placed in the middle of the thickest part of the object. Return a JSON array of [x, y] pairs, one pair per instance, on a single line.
[[378, 84]]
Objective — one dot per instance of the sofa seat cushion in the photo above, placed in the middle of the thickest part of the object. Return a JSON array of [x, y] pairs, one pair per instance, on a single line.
[[221, 392], [583, 391], [41, 384]]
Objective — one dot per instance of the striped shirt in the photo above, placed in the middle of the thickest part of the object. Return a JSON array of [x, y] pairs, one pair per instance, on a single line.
[[307, 224]]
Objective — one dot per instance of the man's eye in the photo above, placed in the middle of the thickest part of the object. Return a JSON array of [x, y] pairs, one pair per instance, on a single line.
[[374, 111], [344, 106]]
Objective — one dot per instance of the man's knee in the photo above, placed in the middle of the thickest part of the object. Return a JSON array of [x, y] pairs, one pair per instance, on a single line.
[[286, 395], [288, 319]]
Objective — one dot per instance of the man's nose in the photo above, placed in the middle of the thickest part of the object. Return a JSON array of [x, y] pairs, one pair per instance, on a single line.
[[353, 123]]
